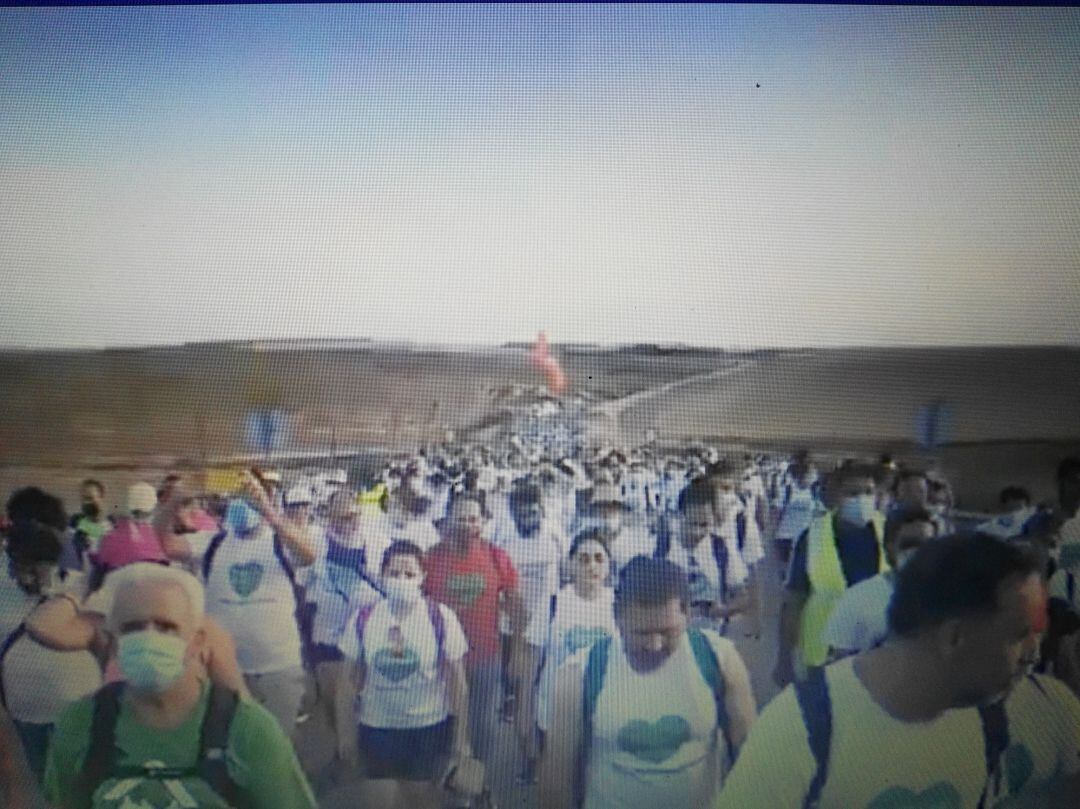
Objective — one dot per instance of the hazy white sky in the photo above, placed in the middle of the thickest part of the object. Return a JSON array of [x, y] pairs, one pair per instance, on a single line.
[[710, 175]]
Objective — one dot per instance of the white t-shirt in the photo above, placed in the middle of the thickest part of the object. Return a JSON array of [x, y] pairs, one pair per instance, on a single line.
[[654, 740], [403, 687], [338, 591], [536, 561], [577, 624], [419, 531], [703, 571], [249, 593], [860, 619], [39, 683], [878, 761], [797, 513]]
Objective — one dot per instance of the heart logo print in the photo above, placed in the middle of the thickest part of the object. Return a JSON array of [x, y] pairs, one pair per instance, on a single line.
[[466, 588], [941, 795], [246, 578], [656, 741], [395, 666]]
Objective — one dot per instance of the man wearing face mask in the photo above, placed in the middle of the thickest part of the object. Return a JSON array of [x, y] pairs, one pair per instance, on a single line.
[[608, 512], [944, 713], [859, 621], [842, 547], [251, 590], [343, 580], [166, 737]]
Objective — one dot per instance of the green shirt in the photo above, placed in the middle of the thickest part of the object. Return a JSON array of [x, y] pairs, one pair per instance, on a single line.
[[260, 759]]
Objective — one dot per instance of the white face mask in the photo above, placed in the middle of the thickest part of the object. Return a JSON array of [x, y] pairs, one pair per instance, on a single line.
[[728, 503], [858, 510], [402, 591], [612, 523]]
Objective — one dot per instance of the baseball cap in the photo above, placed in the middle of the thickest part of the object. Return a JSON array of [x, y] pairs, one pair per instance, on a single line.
[[298, 496], [141, 497]]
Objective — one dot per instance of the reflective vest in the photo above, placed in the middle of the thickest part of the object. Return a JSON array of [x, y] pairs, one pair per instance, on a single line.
[[370, 501], [827, 583]]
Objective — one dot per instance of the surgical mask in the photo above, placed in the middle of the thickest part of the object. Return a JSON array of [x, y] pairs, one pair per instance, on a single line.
[[858, 510], [241, 518], [151, 661], [402, 591]]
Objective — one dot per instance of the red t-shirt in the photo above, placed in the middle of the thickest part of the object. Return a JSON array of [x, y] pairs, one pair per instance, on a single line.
[[471, 585]]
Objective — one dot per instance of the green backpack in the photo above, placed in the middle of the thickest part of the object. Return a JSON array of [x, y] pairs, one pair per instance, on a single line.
[[103, 784]]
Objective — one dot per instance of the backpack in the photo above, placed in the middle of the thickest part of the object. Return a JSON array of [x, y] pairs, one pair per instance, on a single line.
[[438, 623], [593, 683], [100, 764], [815, 704]]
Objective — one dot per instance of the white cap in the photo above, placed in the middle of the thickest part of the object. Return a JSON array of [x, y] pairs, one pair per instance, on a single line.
[[141, 497], [298, 496], [272, 475]]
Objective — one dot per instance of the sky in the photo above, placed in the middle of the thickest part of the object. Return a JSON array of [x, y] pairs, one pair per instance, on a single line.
[[732, 176]]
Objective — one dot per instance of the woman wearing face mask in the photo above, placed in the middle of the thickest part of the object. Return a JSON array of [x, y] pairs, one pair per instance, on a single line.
[[582, 614], [402, 702]]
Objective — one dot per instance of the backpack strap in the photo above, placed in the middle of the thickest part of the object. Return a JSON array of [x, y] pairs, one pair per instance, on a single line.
[[211, 552], [284, 561], [709, 666], [438, 624], [101, 755], [214, 741], [740, 529], [592, 683], [995, 727], [812, 694], [5, 647], [361, 622], [1070, 587], [720, 554], [663, 540]]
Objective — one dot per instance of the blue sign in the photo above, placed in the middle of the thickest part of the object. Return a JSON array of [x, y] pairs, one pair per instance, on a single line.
[[266, 430], [933, 425]]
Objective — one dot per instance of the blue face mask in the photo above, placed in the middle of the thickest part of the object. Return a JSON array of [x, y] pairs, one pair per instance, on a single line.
[[151, 661], [242, 518]]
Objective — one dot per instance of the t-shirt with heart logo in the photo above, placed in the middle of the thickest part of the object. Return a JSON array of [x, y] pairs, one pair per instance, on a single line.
[[576, 625], [880, 762], [654, 741], [403, 689], [249, 593], [471, 584]]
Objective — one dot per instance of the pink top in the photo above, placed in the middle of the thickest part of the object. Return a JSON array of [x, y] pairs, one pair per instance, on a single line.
[[129, 542]]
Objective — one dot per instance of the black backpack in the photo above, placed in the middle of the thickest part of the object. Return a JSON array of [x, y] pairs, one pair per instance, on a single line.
[[101, 765]]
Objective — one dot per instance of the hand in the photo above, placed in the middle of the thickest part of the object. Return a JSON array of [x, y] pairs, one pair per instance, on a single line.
[[256, 493]]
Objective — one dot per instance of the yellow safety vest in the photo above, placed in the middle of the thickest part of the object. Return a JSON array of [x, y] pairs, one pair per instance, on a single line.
[[827, 584]]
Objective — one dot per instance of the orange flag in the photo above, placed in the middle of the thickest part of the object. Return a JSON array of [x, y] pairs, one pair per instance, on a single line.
[[542, 358]]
